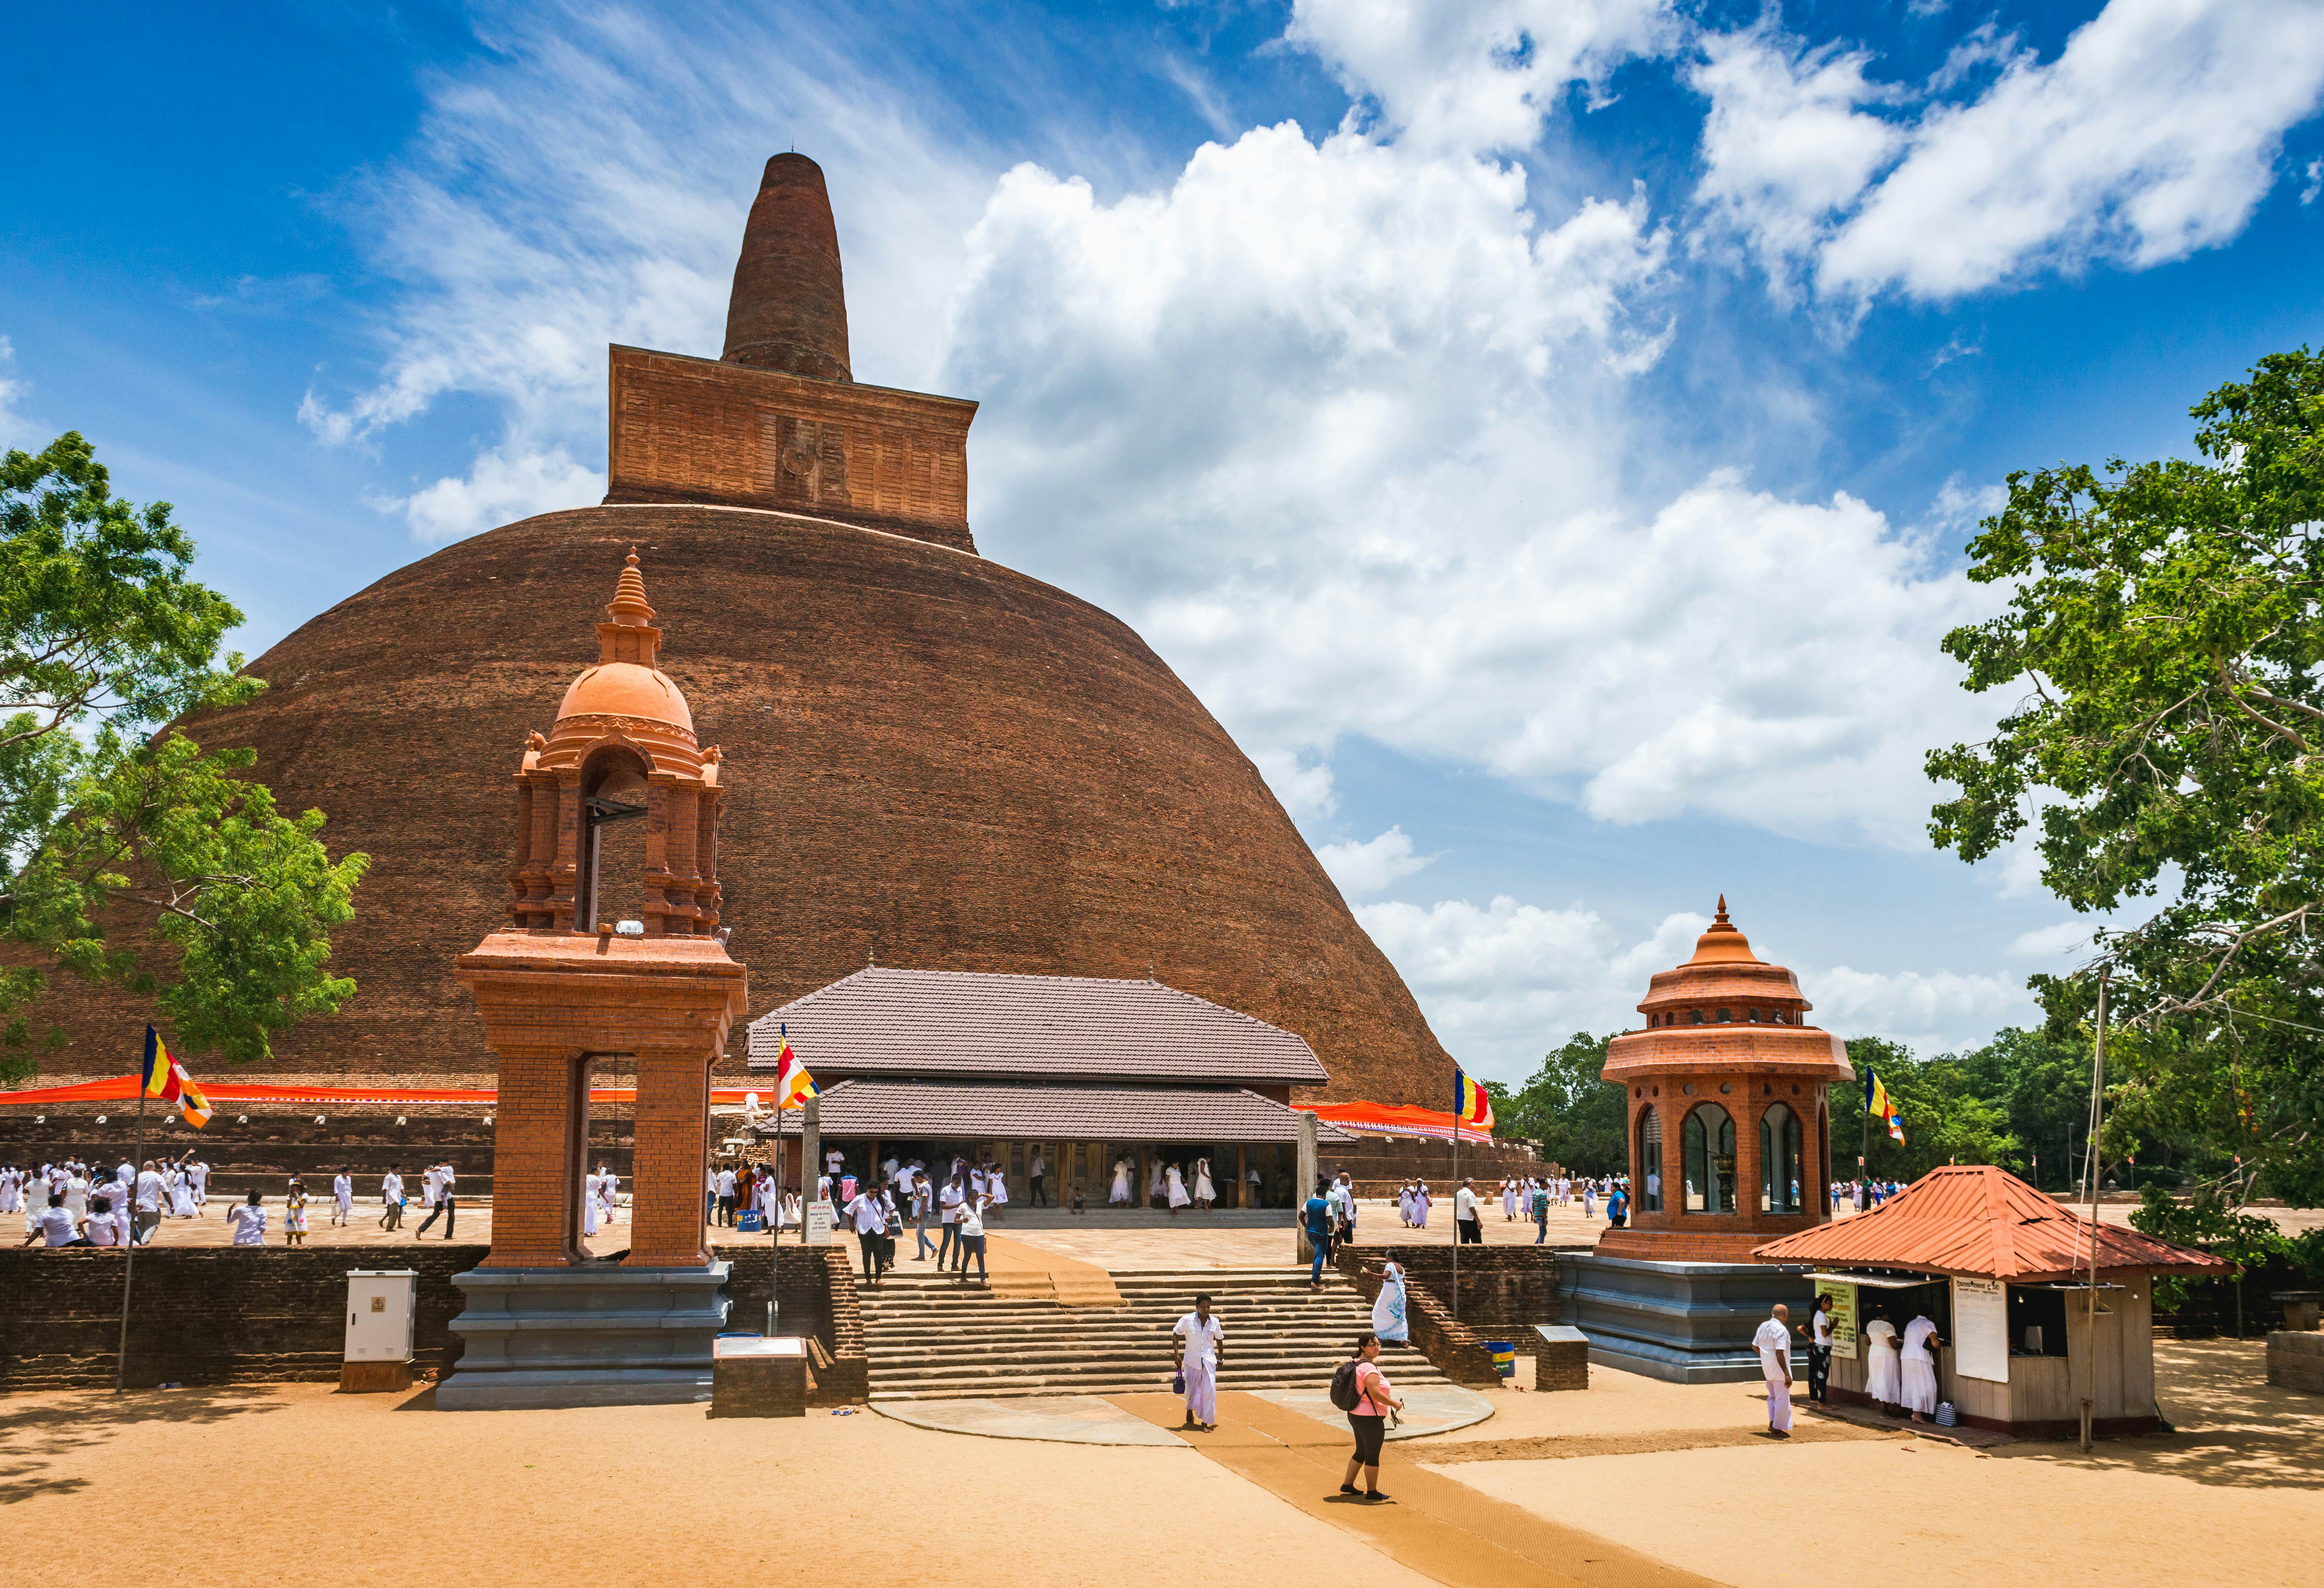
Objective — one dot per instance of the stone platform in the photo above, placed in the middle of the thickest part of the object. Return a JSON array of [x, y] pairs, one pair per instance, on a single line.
[[589, 1335], [1687, 1323]]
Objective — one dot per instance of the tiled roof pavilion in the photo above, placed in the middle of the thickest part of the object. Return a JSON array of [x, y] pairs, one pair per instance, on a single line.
[[1974, 1220], [881, 1021], [907, 1053]]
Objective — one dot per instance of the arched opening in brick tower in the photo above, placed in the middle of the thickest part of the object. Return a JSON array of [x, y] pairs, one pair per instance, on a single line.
[[614, 839], [1781, 1173], [1710, 1139]]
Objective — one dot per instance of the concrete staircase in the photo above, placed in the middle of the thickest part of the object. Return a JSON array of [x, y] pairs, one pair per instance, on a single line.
[[931, 1339]]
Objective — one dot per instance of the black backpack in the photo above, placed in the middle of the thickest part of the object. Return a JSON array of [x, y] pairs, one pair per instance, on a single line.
[[1344, 1393]]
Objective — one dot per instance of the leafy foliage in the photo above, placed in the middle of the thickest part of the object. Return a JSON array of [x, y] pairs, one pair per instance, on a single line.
[[1580, 1120], [1947, 1118], [105, 824], [2167, 624]]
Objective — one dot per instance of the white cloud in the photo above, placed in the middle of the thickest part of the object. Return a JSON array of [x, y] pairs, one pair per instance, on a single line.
[[2153, 135], [1372, 866], [17, 428], [1476, 75], [503, 487], [1930, 1012]]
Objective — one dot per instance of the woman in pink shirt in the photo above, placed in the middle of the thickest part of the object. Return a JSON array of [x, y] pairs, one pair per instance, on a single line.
[[1375, 1399]]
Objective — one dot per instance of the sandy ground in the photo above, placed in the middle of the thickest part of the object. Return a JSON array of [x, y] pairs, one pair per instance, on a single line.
[[2234, 1498]]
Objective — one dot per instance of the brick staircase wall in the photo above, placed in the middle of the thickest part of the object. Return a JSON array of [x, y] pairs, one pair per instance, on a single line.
[[219, 1314], [1505, 1291]]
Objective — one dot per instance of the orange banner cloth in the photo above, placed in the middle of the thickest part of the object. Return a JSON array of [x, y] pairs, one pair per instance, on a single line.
[[124, 1088], [1393, 1119]]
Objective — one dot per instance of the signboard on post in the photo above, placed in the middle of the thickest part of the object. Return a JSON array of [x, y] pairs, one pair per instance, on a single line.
[[1981, 1329], [818, 1222], [1843, 1315]]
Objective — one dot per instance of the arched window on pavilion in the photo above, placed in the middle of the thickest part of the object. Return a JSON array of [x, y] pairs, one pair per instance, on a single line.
[[1648, 1177], [1782, 1188], [1709, 1145]]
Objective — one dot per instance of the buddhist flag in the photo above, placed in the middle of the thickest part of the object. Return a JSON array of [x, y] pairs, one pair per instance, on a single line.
[[1471, 1108], [793, 1084], [166, 1078], [1877, 1102]]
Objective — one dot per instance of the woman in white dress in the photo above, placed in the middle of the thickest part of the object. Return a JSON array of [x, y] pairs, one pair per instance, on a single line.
[[1389, 1321], [1404, 1204], [1206, 1192], [1420, 1205], [1121, 1194], [1883, 1383], [181, 1196], [1919, 1374], [1176, 1182], [12, 1189], [249, 1221], [589, 1188], [1508, 1201]]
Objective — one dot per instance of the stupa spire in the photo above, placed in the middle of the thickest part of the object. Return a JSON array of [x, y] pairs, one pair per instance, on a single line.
[[789, 308], [629, 634]]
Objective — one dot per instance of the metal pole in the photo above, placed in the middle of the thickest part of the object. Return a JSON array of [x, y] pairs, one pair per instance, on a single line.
[[2090, 1315], [775, 1226], [1456, 1208], [129, 1265]]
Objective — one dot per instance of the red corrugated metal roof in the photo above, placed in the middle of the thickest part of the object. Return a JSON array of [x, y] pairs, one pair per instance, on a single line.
[[881, 1021], [1973, 1219]]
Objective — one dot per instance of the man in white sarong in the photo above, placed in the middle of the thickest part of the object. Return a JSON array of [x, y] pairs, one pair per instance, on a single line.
[[343, 1196], [1773, 1343], [1199, 1340]]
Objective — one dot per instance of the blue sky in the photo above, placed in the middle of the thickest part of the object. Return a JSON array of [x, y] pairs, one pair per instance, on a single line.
[[1544, 432]]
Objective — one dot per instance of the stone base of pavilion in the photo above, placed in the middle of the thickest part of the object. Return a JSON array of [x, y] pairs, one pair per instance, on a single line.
[[592, 1334], [1685, 1322]]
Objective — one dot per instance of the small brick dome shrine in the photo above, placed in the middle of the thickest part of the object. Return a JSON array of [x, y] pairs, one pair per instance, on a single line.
[[1730, 1117]]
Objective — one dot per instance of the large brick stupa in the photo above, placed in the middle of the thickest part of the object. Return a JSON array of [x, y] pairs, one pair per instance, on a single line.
[[952, 766]]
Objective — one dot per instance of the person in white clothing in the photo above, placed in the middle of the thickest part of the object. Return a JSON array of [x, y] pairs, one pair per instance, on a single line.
[[1153, 1181], [54, 1225], [608, 1190], [589, 1205], [77, 1199], [1037, 1173], [198, 1172], [1204, 1191], [1198, 1341], [249, 1221], [102, 1230], [949, 1203], [1774, 1345], [1466, 1225], [1920, 1365], [1883, 1384], [391, 1200], [148, 1194], [343, 1197], [1121, 1195], [1508, 1201], [1175, 1189]]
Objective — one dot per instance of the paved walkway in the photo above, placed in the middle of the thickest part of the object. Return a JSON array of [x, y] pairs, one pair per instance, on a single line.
[[1435, 1524]]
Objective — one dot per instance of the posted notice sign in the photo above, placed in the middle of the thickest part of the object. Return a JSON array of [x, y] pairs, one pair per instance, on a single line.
[[1843, 1314], [818, 1222], [1981, 1329]]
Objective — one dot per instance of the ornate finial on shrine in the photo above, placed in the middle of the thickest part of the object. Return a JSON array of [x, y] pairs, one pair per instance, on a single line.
[[1723, 898]]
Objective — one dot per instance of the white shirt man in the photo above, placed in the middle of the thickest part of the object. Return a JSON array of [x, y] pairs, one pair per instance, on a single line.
[[833, 1161], [343, 1196], [54, 1226], [198, 1173], [391, 1188], [1197, 1338], [1464, 1205], [1774, 1345]]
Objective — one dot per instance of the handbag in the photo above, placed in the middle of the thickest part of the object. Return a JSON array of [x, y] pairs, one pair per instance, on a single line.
[[1179, 1383]]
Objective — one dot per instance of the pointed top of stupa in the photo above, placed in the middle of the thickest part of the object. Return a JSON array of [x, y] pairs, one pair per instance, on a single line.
[[789, 308]]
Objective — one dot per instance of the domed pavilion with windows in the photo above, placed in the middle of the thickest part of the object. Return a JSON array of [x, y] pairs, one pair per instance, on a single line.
[[1730, 1125]]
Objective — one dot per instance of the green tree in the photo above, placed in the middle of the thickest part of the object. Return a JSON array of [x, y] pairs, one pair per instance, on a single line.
[[1580, 1120], [2165, 631], [128, 855], [2042, 1088], [1945, 1118]]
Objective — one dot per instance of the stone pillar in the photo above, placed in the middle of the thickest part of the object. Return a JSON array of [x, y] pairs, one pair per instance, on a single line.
[[810, 1154], [1303, 1186], [538, 1147], [672, 1136]]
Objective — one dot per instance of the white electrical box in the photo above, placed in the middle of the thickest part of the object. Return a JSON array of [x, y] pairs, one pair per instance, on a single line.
[[380, 1304]]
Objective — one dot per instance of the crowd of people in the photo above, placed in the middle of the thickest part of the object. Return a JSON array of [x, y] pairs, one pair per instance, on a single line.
[[1862, 1194], [1522, 1197], [73, 1203]]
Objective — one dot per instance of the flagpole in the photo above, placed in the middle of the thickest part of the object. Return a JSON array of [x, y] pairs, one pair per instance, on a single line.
[[1864, 1148], [1457, 1090], [129, 1266]]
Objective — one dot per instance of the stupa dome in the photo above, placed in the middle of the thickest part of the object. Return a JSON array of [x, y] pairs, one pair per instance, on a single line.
[[950, 766]]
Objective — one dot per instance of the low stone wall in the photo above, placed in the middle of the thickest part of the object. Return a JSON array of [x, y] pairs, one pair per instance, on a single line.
[[2295, 1360], [206, 1315], [224, 1314], [1504, 1290], [1457, 1346]]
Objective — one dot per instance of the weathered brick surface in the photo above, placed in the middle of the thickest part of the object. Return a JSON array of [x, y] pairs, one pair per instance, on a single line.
[[206, 1315], [224, 1314], [1456, 1349], [935, 758], [1505, 1291]]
